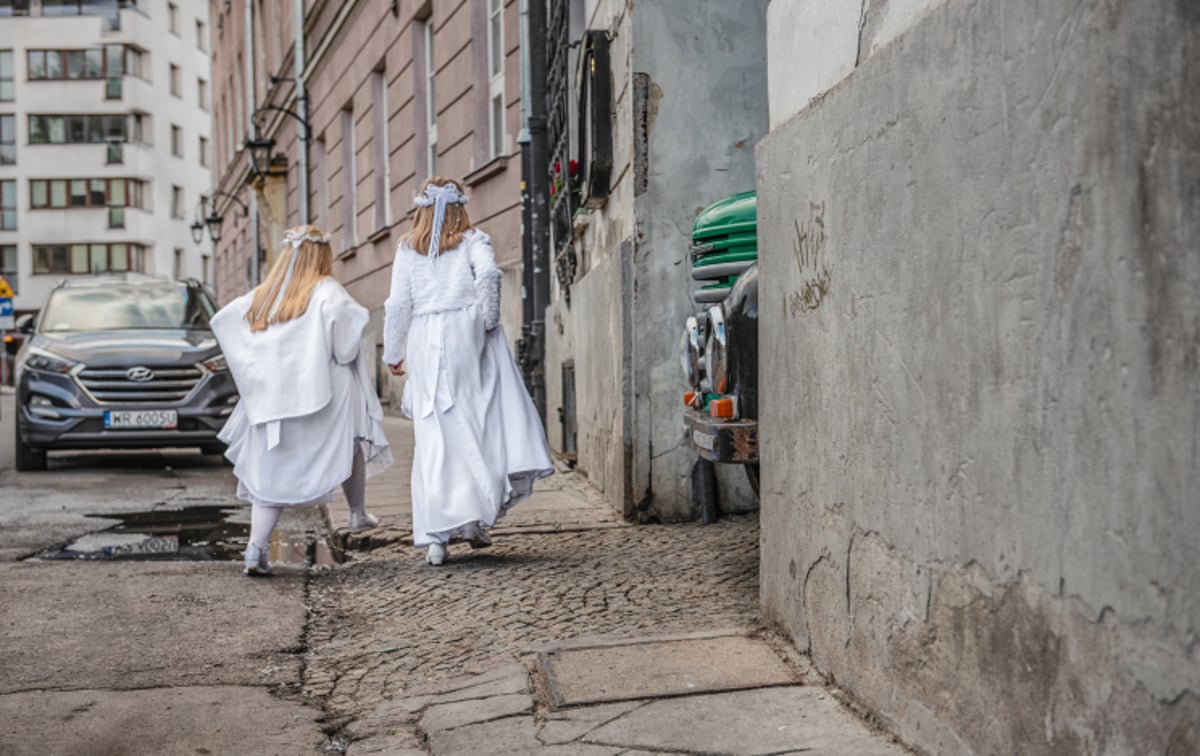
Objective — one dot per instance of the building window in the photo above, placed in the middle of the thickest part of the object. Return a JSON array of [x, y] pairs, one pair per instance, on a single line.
[[57, 194], [176, 141], [76, 129], [178, 269], [14, 8], [8, 266], [134, 62], [430, 102], [173, 18], [8, 140], [114, 71], [201, 35], [7, 92], [108, 62], [320, 186], [203, 150], [202, 94], [205, 266], [88, 258], [176, 85], [379, 150], [8, 205], [495, 77], [349, 181], [176, 202]]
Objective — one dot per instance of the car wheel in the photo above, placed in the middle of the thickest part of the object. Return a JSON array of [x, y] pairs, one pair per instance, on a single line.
[[28, 458]]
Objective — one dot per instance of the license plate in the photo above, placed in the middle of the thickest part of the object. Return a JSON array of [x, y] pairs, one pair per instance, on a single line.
[[704, 440], [118, 419]]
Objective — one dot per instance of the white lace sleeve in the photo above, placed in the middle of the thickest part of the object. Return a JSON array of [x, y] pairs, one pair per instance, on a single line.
[[397, 311], [487, 279]]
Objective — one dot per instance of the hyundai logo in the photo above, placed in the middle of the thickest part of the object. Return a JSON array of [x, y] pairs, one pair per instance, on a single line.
[[139, 374]]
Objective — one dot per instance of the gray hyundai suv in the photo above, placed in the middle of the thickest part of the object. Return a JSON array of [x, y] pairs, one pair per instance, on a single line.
[[121, 362]]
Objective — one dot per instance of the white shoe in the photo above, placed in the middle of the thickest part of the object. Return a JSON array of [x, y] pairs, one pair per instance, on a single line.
[[256, 562], [436, 554], [475, 535], [361, 522]]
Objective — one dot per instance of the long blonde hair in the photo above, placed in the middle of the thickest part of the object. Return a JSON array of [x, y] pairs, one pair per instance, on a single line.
[[456, 223], [314, 261]]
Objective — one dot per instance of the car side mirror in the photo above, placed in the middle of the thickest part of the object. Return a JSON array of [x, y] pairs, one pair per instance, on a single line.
[[25, 323]]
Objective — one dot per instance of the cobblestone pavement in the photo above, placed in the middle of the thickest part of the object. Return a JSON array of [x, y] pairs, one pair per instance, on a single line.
[[388, 625]]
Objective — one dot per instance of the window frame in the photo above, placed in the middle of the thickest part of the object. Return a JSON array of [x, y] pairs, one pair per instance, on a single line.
[[135, 257], [12, 142], [11, 274], [11, 79], [497, 135], [430, 71], [8, 210]]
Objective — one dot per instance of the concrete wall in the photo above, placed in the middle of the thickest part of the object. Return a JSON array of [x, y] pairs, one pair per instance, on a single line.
[[982, 252], [689, 82]]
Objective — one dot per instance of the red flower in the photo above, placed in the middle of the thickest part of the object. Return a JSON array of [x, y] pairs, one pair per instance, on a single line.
[[574, 167], [557, 167]]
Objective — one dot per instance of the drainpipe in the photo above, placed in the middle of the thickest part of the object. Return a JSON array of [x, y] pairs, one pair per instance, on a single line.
[[523, 356], [248, 47], [539, 193], [301, 109]]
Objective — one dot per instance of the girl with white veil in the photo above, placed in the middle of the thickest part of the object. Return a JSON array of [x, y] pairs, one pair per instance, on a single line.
[[480, 444]]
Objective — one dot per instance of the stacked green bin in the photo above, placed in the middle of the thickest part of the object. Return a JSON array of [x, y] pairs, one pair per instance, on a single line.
[[724, 243]]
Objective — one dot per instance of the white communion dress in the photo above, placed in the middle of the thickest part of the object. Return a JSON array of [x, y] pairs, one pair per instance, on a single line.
[[480, 445], [307, 403]]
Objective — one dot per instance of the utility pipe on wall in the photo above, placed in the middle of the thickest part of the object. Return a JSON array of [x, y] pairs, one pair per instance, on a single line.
[[301, 110]]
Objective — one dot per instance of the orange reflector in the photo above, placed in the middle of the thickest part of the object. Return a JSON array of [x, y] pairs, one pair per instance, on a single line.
[[689, 397], [722, 408]]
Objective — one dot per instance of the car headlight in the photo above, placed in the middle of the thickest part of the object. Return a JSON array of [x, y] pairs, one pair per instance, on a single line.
[[39, 359], [215, 364], [716, 350], [691, 349]]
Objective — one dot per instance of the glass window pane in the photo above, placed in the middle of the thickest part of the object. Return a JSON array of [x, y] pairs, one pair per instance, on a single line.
[[60, 7], [99, 261], [8, 195], [58, 193], [95, 63], [37, 64], [6, 64], [116, 217], [54, 64], [75, 64], [120, 257], [8, 129], [114, 60], [116, 192], [114, 89], [59, 259], [78, 193], [37, 129], [41, 260], [97, 193], [115, 127], [79, 258], [7, 91], [497, 45], [8, 154], [497, 125], [39, 194], [8, 220], [96, 128]]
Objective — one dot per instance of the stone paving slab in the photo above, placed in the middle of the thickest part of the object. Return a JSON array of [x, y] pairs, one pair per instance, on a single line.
[[765, 721], [162, 721], [652, 669]]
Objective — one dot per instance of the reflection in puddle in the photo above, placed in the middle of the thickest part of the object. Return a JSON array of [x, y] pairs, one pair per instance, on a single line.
[[204, 533]]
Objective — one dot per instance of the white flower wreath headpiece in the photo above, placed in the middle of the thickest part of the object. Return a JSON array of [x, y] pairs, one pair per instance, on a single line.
[[294, 238]]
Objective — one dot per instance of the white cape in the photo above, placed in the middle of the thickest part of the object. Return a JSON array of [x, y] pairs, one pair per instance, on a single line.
[[306, 400]]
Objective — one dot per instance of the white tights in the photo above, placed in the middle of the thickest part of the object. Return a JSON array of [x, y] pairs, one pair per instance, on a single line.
[[263, 518]]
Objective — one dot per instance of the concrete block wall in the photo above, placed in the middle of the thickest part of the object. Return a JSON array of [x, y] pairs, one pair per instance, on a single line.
[[980, 342]]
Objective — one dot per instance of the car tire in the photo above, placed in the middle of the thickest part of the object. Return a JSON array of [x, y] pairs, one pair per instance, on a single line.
[[29, 459]]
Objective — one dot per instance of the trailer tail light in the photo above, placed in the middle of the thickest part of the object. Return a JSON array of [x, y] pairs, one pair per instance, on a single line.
[[689, 398], [721, 408]]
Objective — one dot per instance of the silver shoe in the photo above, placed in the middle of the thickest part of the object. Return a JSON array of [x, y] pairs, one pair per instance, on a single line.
[[436, 554], [475, 535], [256, 562], [359, 523]]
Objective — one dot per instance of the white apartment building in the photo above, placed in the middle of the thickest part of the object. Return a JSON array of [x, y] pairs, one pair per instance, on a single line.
[[105, 140]]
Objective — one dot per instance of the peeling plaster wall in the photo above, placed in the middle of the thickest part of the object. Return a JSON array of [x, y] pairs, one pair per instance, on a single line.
[[981, 338]]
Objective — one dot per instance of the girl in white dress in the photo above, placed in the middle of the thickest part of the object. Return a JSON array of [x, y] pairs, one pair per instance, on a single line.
[[308, 419], [480, 444]]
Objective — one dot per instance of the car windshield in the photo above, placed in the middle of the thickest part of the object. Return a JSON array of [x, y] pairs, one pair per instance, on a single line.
[[116, 307]]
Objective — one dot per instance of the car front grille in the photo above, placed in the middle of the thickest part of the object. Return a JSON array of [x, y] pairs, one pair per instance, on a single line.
[[114, 386]]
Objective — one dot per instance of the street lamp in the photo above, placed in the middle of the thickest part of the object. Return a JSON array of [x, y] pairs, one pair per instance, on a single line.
[[260, 154], [213, 221], [197, 231]]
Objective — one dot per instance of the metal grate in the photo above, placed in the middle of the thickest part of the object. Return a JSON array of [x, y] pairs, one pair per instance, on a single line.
[[115, 386], [558, 109]]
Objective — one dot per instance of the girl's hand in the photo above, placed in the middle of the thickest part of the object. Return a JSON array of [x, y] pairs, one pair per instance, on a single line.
[[397, 369]]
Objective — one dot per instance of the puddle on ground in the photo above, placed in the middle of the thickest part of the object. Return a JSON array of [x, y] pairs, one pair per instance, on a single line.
[[194, 534]]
